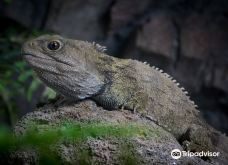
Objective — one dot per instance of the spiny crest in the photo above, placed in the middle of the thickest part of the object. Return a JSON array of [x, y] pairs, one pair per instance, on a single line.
[[99, 47], [146, 63], [174, 81], [186, 93], [161, 71], [167, 75]]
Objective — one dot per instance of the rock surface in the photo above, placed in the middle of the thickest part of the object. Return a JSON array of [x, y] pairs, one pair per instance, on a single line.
[[69, 18], [184, 38], [160, 40], [153, 149], [28, 13]]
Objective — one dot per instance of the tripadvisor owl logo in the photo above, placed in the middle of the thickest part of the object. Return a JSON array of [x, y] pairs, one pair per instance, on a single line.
[[177, 154]]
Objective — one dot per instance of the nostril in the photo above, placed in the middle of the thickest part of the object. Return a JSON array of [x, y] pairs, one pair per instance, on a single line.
[[32, 44]]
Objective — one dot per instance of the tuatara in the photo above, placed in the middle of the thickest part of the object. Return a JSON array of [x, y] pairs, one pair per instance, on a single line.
[[81, 70]]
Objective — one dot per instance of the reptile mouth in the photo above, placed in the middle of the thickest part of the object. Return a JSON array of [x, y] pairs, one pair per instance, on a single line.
[[41, 64], [34, 56], [29, 56]]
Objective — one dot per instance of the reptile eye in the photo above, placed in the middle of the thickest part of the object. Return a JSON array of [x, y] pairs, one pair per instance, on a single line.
[[54, 45]]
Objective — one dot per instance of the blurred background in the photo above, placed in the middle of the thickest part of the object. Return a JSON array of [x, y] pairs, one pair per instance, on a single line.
[[188, 39]]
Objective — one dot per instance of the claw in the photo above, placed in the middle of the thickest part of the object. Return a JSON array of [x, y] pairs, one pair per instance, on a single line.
[[135, 109], [122, 107], [99, 47]]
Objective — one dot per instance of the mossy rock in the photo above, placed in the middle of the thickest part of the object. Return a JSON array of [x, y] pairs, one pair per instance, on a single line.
[[83, 133]]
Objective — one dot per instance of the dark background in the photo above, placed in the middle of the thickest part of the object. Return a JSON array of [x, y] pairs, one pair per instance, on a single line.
[[186, 38]]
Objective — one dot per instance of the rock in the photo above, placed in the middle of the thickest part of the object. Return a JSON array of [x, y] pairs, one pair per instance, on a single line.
[[30, 13], [190, 77], [195, 37], [220, 79], [202, 38], [151, 147], [122, 12], [219, 40], [158, 36], [77, 19]]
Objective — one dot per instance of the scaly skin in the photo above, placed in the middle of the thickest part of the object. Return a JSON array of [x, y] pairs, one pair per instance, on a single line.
[[79, 70]]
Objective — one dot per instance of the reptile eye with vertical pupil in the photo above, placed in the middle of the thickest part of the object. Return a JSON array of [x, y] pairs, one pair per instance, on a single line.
[[54, 45]]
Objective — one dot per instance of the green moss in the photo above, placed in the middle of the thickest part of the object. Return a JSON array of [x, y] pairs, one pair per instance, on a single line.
[[128, 155], [41, 134], [42, 137], [85, 156], [82, 130]]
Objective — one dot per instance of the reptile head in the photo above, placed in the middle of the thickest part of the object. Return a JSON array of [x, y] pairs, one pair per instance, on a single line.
[[63, 64], [55, 51]]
